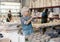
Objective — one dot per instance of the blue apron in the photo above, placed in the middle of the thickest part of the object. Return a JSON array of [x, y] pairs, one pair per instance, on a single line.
[[27, 28]]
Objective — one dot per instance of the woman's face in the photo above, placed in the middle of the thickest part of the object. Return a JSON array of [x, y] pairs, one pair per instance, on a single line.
[[26, 13]]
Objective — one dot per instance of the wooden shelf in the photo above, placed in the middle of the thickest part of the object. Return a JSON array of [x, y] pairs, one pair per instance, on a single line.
[[45, 3], [45, 7], [48, 17]]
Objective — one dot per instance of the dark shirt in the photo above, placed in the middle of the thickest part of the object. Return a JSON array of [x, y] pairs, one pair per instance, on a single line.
[[44, 18], [9, 18]]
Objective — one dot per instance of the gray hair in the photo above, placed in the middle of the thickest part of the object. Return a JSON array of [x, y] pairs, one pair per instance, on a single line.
[[24, 9]]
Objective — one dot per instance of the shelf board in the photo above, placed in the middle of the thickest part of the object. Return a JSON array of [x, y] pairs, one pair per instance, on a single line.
[[46, 7], [48, 17]]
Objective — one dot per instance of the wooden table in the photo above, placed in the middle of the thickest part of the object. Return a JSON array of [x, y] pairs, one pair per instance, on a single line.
[[46, 24]]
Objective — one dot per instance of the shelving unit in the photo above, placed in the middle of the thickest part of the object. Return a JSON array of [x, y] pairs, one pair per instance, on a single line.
[[44, 3], [39, 5]]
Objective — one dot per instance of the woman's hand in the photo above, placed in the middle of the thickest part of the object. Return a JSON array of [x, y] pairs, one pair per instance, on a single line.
[[33, 17]]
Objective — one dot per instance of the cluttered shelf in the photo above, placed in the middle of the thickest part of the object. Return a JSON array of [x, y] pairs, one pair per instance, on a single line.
[[44, 3]]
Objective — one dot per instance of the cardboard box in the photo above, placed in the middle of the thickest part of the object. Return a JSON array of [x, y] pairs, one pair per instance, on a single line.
[[45, 3], [53, 2], [57, 2], [5, 40], [49, 3], [40, 3]]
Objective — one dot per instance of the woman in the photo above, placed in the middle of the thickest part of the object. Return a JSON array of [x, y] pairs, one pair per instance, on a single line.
[[9, 18], [26, 22], [44, 18]]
